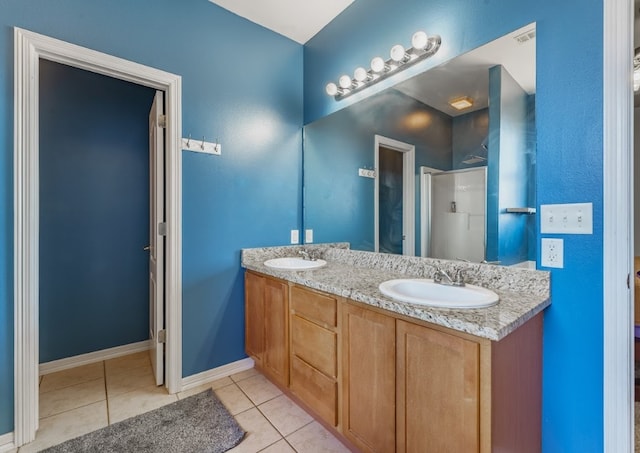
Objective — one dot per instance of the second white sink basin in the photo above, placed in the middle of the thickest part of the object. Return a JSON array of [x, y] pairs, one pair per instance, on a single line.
[[293, 263], [425, 292]]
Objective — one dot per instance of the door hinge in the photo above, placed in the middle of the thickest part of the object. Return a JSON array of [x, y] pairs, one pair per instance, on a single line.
[[162, 336], [162, 120], [162, 229]]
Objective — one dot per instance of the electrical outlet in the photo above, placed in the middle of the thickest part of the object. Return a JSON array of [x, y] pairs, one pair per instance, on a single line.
[[295, 237], [308, 236], [552, 253]]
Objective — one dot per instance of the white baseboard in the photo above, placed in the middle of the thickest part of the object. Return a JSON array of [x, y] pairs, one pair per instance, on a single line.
[[93, 357], [6, 442], [220, 372]]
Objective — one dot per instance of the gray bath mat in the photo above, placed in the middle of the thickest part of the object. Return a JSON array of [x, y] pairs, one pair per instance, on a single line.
[[197, 424]]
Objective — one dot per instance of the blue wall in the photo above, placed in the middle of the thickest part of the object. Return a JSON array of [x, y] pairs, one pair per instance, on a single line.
[[469, 134], [507, 169], [241, 85], [337, 145], [94, 211], [569, 160]]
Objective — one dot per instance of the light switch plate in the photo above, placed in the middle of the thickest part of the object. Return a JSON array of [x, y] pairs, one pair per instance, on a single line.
[[295, 236], [308, 236], [573, 218]]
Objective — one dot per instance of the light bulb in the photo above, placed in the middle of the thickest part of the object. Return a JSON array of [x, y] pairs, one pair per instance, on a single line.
[[419, 40], [398, 54], [378, 64], [360, 74], [332, 89], [636, 80], [344, 81]]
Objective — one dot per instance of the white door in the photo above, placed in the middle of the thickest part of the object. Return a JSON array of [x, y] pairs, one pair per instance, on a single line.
[[156, 236]]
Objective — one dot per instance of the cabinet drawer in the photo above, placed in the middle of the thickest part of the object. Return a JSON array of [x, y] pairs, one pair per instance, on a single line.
[[319, 392], [317, 307], [315, 345]]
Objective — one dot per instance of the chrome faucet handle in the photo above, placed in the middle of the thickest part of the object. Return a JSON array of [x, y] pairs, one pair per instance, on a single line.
[[441, 276], [305, 254], [459, 277]]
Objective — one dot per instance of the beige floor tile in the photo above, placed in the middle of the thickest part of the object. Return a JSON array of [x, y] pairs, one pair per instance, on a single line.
[[119, 383], [314, 438], [259, 389], [67, 398], [138, 402], [285, 415], [126, 363], [260, 433], [217, 384], [62, 427], [73, 376], [279, 447], [244, 374], [234, 400]]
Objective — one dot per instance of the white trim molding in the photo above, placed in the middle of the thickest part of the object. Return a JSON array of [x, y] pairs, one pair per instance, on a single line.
[[6, 443], [214, 374], [408, 192], [29, 48], [618, 226], [93, 357]]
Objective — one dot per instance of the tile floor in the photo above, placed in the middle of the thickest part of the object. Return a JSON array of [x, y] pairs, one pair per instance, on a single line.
[[80, 400]]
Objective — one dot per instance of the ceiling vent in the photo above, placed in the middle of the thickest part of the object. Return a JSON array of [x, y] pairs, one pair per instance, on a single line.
[[526, 36]]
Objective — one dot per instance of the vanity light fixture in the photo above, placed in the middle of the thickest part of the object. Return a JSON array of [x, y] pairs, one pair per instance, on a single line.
[[423, 47], [461, 103]]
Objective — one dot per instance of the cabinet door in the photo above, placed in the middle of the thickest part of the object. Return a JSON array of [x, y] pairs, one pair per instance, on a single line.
[[276, 328], [438, 391], [254, 316], [369, 379]]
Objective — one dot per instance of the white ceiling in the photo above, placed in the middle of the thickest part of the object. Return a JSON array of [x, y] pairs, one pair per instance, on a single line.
[[298, 20], [468, 74]]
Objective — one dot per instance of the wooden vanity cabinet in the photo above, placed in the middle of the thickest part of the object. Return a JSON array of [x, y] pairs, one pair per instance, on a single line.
[[413, 387], [438, 391], [369, 373], [314, 351], [389, 383], [267, 326]]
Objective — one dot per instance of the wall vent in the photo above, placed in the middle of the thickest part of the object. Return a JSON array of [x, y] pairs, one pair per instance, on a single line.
[[526, 36]]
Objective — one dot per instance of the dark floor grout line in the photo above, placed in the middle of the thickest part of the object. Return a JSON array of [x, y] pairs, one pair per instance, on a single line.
[[106, 392], [71, 385], [69, 410]]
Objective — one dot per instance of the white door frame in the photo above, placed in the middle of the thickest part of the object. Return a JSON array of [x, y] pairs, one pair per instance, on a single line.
[[29, 47], [425, 212], [408, 193], [618, 226]]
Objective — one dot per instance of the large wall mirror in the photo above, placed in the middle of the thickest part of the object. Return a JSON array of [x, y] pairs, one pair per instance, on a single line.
[[405, 171]]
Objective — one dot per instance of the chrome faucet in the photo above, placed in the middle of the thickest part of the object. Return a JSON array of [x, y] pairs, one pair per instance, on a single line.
[[309, 256], [443, 278]]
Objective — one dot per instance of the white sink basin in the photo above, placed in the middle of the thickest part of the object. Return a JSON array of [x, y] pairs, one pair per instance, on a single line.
[[294, 263], [425, 292]]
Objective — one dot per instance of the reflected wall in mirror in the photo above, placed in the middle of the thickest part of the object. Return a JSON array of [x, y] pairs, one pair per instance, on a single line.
[[497, 132]]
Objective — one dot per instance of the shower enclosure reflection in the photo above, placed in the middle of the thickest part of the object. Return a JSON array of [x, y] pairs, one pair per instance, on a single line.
[[453, 206]]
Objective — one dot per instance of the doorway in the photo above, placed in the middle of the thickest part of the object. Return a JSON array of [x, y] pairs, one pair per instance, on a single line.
[[29, 49], [394, 198]]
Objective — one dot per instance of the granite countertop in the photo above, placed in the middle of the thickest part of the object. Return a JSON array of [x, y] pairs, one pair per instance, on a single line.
[[356, 275]]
